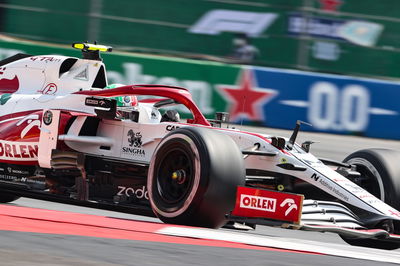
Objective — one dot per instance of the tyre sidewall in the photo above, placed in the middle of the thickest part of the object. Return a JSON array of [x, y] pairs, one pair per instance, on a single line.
[[195, 193], [221, 171], [384, 164]]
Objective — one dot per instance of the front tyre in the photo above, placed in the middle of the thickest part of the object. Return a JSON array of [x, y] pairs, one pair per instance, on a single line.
[[193, 177], [380, 173], [380, 176]]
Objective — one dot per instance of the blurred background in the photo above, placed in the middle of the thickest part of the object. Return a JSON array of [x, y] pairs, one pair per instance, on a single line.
[[332, 63]]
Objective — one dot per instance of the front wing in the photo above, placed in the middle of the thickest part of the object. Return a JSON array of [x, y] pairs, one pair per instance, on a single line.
[[288, 210]]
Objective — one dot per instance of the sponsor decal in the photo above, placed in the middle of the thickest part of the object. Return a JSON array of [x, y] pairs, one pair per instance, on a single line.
[[354, 112], [33, 181], [17, 171], [394, 212], [99, 102], [291, 206], [18, 151], [221, 20], [366, 196], [299, 24], [251, 202], [138, 193], [133, 151], [135, 144], [45, 59], [247, 100], [9, 85], [32, 121], [356, 190], [352, 187], [49, 89], [315, 177], [8, 177], [328, 184], [47, 117], [83, 75], [171, 127], [257, 203], [135, 139]]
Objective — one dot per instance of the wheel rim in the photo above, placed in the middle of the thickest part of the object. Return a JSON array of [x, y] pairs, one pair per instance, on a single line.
[[371, 179], [175, 176], [173, 142]]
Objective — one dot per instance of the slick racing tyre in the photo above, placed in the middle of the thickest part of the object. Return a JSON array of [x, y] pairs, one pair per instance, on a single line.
[[193, 176], [380, 173], [380, 176], [5, 197]]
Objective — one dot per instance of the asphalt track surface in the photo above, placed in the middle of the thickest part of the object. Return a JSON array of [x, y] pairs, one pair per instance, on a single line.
[[35, 232]]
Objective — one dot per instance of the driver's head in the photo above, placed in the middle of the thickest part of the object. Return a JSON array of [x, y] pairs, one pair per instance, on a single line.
[[171, 116]]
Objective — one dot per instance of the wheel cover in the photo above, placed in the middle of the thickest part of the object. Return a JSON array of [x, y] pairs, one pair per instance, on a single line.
[[175, 175]]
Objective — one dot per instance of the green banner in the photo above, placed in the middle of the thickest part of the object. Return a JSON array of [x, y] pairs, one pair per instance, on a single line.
[[199, 77], [288, 33], [269, 97]]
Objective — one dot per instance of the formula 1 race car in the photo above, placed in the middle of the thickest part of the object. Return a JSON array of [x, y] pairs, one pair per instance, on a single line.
[[66, 135]]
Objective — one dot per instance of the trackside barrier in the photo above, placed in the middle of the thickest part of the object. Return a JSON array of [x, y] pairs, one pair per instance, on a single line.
[[256, 95]]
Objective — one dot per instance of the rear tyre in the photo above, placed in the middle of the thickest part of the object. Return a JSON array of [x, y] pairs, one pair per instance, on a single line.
[[5, 197], [193, 177], [380, 172]]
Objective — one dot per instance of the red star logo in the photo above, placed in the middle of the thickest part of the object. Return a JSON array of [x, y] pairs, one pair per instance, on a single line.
[[246, 100], [330, 5]]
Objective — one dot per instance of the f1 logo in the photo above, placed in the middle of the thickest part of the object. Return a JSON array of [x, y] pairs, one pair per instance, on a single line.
[[219, 20]]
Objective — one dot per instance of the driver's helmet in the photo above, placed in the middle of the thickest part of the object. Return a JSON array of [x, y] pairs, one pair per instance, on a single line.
[[123, 101]]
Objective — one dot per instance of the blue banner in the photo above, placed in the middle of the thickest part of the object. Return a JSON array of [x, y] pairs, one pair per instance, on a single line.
[[331, 103]]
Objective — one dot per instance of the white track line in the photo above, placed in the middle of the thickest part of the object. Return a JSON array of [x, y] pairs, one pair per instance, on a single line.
[[285, 243]]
